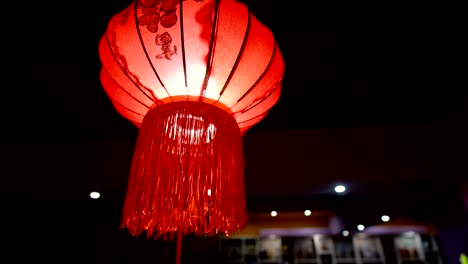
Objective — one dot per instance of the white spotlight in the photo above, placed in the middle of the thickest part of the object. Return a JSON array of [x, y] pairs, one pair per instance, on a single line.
[[94, 195], [340, 188], [385, 218], [274, 213], [345, 233], [307, 212], [360, 227]]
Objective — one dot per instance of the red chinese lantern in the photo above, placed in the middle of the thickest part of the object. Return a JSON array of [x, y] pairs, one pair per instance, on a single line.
[[193, 76]]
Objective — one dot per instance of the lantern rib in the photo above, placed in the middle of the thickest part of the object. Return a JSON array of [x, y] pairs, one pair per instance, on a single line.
[[262, 113], [182, 40], [209, 62], [236, 64], [260, 77], [126, 108], [253, 105], [128, 76], [145, 51]]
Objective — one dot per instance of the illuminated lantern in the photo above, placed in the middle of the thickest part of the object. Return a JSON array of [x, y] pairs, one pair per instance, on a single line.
[[193, 76]]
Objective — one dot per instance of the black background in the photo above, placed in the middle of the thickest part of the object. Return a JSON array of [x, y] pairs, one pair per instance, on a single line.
[[348, 66]]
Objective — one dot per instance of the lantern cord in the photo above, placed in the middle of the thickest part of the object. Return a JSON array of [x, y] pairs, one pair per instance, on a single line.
[[178, 246], [179, 232]]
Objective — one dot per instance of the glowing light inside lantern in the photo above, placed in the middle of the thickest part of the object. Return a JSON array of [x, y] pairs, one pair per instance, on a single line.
[[177, 124]]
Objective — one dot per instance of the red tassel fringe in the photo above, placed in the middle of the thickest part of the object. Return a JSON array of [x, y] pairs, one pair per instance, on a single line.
[[187, 173]]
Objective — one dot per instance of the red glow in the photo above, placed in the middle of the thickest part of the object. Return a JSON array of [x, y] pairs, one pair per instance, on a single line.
[[156, 55]]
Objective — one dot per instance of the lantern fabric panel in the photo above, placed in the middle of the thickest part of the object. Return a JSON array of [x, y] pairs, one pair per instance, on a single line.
[[227, 47], [122, 96], [243, 55], [130, 45], [252, 115], [255, 57]]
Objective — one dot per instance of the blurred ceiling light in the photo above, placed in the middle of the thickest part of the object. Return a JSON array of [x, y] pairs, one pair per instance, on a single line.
[[94, 195], [385, 218], [340, 188]]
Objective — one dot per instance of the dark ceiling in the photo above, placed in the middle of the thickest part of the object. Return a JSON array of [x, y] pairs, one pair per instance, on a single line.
[[353, 73]]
